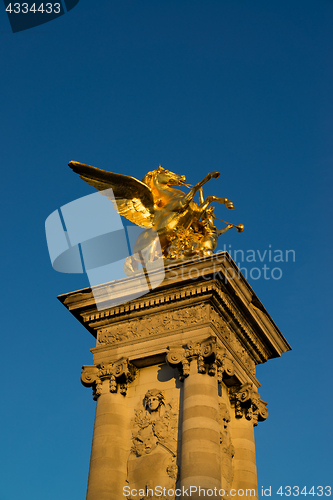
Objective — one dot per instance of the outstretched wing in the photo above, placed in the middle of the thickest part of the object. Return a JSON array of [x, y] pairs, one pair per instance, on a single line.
[[134, 199]]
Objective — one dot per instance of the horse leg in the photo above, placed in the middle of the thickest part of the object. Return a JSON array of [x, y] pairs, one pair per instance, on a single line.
[[211, 199], [189, 197], [208, 177], [201, 196]]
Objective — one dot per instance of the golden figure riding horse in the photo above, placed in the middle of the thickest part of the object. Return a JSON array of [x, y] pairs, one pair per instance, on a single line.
[[185, 228]]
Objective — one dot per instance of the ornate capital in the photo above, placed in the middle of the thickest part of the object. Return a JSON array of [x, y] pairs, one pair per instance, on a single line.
[[247, 402], [210, 358], [119, 374]]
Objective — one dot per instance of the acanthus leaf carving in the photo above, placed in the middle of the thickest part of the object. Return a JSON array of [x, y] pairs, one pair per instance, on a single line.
[[119, 375], [247, 403], [211, 359]]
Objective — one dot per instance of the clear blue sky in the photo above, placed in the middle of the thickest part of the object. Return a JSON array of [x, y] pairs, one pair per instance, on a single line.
[[243, 87]]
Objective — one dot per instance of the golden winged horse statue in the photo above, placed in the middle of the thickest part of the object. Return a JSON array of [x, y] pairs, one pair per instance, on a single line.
[[185, 228]]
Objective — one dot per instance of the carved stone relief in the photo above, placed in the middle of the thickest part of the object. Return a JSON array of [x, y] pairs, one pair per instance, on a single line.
[[229, 336], [220, 324], [149, 326], [152, 325], [153, 458], [119, 375], [244, 356], [227, 449], [210, 358], [247, 403]]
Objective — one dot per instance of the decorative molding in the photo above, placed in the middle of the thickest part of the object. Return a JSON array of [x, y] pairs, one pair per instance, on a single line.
[[245, 358], [119, 375], [244, 329], [122, 326], [148, 326], [210, 358], [226, 333], [247, 403], [219, 323], [146, 303], [172, 320], [233, 300]]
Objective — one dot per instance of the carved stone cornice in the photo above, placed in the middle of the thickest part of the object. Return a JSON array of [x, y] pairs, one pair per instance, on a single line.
[[207, 292], [119, 375], [247, 403], [242, 327], [211, 359], [165, 301]]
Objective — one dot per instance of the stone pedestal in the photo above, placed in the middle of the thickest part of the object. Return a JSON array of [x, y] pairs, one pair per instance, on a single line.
[[173, 375]]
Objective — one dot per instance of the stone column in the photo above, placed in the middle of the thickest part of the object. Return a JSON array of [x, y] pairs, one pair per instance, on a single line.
[[244, 461], [248, 409], [200, 452], [109, 452], [202, 365]]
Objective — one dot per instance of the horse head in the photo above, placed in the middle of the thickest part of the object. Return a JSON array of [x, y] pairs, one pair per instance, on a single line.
[[162, 176]]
